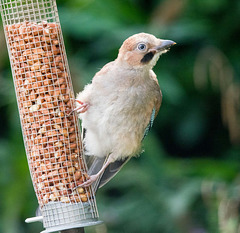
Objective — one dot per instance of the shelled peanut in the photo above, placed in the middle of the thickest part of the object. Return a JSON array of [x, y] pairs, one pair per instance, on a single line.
[[45, 101]]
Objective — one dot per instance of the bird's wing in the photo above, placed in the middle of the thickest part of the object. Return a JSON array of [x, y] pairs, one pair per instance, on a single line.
[[158, 100], [157, 104], [150, 124]]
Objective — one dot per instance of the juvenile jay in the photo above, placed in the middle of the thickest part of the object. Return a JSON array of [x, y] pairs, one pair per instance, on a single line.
[[118, 108]]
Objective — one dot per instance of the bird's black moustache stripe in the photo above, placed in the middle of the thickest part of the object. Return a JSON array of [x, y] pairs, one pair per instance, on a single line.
[[147, 57]]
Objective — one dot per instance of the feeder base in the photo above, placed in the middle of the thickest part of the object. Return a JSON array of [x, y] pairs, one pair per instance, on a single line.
[[58, 216]]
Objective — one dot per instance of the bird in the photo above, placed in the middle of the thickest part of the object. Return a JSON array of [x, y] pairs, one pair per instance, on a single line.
[[118, 107]]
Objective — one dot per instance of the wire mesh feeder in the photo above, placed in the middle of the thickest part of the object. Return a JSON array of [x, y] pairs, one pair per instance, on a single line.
[[45, 99]]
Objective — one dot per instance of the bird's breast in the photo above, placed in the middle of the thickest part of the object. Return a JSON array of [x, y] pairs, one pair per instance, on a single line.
[[119, 112]]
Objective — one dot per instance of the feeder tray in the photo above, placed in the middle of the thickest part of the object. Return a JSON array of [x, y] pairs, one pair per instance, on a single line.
[[45, 100]]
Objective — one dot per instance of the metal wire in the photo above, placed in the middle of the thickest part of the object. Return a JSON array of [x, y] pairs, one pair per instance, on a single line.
[[45, 100]]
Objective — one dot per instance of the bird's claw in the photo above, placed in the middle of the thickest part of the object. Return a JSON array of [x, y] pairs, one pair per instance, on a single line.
[[82, 108], [89, 182]]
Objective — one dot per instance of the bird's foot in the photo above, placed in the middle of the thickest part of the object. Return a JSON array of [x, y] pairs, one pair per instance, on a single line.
[[82, 108], [89, 182]]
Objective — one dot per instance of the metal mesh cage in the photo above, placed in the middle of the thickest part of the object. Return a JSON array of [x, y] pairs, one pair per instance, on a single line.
[[45, 100]]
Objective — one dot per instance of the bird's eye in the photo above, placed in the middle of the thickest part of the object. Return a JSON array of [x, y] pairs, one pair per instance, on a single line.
[[142, 47]]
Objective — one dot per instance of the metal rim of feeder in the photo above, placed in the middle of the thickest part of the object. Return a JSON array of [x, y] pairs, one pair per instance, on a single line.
[[45, 100]]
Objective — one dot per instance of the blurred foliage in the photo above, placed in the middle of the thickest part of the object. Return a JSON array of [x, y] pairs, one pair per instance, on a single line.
[[187, 180]]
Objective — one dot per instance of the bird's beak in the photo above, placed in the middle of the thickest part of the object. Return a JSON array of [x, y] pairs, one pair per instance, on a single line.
[[165, 45]]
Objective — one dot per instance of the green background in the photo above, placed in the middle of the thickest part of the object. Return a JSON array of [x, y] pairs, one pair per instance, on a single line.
[[187, 180]]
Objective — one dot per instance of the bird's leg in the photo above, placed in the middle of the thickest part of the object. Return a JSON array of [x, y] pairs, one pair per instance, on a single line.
[[82, 108], [93, 178]]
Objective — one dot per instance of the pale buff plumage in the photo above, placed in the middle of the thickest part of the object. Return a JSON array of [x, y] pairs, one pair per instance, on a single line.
[[119, 102]]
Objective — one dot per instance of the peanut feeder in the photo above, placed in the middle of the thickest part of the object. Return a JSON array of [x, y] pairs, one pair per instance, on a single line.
[[45, 101]]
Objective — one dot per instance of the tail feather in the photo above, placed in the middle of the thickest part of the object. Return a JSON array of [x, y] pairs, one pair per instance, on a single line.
[[111, 171], [95, 164]]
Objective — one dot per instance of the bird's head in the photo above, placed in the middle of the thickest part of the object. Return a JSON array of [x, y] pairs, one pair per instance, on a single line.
[[142, 50]]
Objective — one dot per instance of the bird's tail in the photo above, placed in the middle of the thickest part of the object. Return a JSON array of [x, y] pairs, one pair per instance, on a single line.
[[94, 164]]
